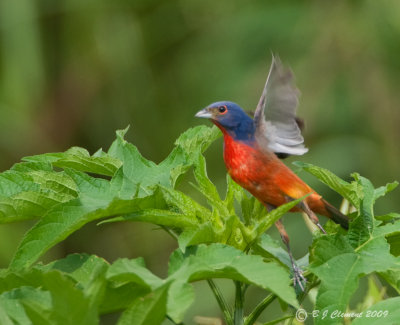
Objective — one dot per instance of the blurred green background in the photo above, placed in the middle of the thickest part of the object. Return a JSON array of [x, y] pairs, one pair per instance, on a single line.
[[72, 72]]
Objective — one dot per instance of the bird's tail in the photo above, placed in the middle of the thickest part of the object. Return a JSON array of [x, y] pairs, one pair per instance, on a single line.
[[336, 215]]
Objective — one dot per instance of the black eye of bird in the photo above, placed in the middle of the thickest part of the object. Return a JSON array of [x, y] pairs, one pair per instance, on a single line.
[[222, 109]]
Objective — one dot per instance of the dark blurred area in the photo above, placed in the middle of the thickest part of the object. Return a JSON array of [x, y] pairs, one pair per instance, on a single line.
[[72, 72]]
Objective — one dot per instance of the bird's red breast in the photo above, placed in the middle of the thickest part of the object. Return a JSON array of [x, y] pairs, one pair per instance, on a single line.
[[265, 176]]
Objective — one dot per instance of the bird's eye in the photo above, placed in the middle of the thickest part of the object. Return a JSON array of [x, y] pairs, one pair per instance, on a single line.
[[222, 109]]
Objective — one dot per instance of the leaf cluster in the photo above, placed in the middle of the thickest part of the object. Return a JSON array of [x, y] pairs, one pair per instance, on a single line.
[[224, 239]]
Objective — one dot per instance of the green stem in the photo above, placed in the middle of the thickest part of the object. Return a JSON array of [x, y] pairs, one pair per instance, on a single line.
[[170, 232], [221, 302], [251, 319], [173, 322], [311, 285], [238, 317]]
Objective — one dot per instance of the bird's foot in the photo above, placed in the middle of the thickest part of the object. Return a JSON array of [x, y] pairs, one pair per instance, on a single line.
[[298, 278], [321, 228]]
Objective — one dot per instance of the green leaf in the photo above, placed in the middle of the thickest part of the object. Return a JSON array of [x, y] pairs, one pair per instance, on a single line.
[[204, 233], [62, 290], [58, 182], [149, 310], [95, 202], [66, 297], [47, 158], [389, 217], [26, 195], [251, 208], [362, 226], [185, 204], [197, 139], [118, 298], [231, 232], [373, 295], [87, 270], [28, 167], [269, 247], [392, 276], [222, 261], [207, 188], [189, 144], [339, 266], [233, 192], [278, 321], [137, 174], [134, 187], [384, 312], [383, 190], [126, 270], [25, 304], [158, 217], [80, 159], [350, 191], [81, 267], [394, 242], [138, 171], [274, 215], [102, 284], [4, 318]]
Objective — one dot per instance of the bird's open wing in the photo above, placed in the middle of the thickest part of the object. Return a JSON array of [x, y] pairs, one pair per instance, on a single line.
[[275, 115]]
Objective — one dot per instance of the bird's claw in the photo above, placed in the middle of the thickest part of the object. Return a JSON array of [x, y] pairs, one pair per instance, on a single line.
[[298, 278], [321, 228]]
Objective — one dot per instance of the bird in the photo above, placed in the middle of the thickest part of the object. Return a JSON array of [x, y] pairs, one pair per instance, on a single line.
[[253, 148]]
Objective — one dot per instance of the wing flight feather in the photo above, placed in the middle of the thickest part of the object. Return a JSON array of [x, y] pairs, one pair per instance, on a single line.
[[275, 115]]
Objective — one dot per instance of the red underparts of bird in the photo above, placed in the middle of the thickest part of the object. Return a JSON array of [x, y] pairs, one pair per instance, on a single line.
[[252, 147]]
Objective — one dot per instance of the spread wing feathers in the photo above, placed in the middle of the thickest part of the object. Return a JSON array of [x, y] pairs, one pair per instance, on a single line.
[[275, 115]]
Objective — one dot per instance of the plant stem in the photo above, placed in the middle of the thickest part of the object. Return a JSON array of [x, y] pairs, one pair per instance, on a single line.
[[170, 232], [238, 316], [251, 319], [310, 225], [173, 322], [221, 302]]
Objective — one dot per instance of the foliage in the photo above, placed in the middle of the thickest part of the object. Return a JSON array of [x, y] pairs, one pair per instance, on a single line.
[[225, 239]]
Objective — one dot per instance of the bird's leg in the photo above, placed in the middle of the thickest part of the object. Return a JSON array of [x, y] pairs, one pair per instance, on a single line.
[[297, 272], [311, 215], [304, 206]]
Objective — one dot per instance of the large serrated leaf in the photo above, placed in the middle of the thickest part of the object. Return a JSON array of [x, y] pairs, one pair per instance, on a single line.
[[133, 188], [262, 225], [79, 159], [207, 188], [350, 191], [158, 217], [362, 227], [26, 304], [109, 288], [30, 193], [384, 312], [149, 310], [198, 139], [125, 270], [88, 271], [139, 171], [339, 266], [223, 261], [268, 247], [95, 202], [48, 297]]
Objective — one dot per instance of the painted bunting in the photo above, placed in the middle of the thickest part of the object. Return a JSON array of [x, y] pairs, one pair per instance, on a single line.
[[252, 147]]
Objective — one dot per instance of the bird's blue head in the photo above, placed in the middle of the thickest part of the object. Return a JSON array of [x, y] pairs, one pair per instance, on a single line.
[[230, 118]]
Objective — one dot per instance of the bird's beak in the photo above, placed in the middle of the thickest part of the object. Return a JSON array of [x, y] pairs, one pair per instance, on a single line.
[[204, 113]]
